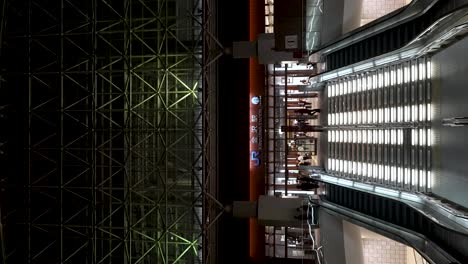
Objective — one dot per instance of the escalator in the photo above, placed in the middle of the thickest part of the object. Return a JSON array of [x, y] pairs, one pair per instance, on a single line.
[[388, 35], [400, 215]]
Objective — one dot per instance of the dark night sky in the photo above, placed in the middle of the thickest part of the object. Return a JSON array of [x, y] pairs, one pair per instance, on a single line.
[[233, 130]]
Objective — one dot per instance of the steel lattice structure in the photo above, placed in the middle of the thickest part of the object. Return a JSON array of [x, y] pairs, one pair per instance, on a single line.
[[117, 102]]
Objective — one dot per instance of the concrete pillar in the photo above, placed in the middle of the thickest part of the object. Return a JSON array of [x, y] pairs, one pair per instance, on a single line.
[[332, 24], [351, 15], [331, 230], [352, 243]]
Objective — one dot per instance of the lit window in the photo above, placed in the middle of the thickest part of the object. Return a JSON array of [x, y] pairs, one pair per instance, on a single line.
[[400, 175], [407, 175], [422, 178], [387, 172], [374, 81], [414, 137], [422, 137], [399, 114], [407, 113], [429, 179], [392, 77], [413, 73], [414, 177], [407, 74], [386, 79], [429, 70], [359, 83], [429, 112], [429, 137], [399, 76], [422, 71], [422, 112], [400, 136]]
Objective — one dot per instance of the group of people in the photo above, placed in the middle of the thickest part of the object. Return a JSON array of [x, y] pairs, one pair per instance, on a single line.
[[301, 122], [306, 183], [308, 111], [304, 160]]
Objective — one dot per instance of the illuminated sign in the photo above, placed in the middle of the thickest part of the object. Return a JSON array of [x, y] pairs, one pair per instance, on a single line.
[[255, 100], [256, 137]]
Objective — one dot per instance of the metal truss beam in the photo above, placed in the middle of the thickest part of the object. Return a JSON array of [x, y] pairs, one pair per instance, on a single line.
[[119, 141]]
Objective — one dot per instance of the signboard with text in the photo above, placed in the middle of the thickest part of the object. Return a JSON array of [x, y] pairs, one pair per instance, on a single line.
[[256, 128]]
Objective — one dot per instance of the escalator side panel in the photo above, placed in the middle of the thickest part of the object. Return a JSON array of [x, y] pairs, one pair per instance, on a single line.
[[399, 214], [391, 39]]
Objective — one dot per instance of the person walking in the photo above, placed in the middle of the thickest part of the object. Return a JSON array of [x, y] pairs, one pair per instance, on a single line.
[[306, 179], [307, 186], [307, 111]]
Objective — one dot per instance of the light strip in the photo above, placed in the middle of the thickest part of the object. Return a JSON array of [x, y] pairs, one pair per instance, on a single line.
[[381, 137], [385, 115], [379, 172]]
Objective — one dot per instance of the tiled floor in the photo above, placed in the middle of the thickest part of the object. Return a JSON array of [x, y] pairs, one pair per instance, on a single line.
[[373, 9], [383, 251]]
